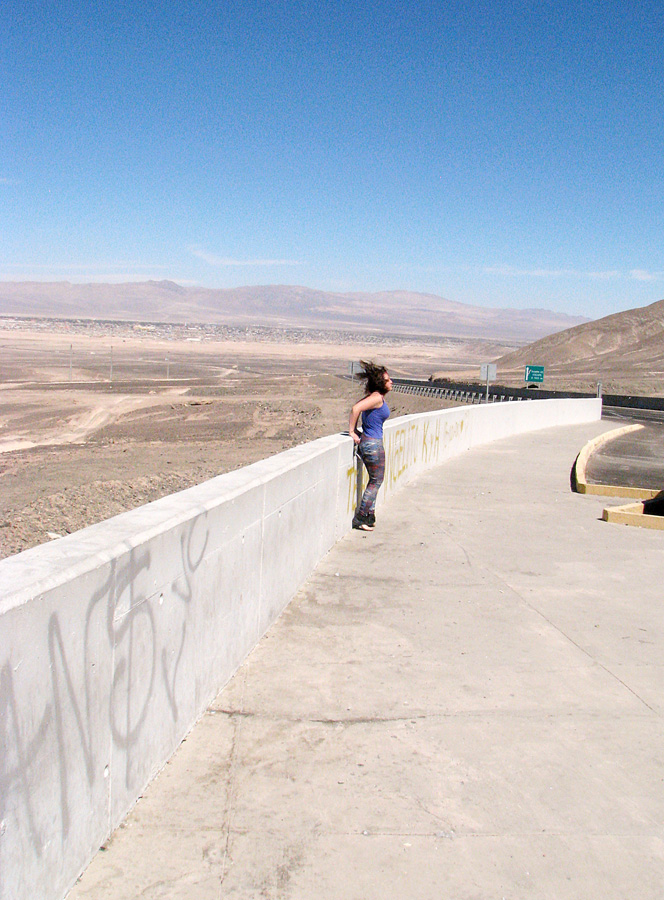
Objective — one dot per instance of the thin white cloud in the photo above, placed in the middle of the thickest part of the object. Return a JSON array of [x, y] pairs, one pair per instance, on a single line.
[[213, 260], [513, 271], [644, 275], [603, 276], [116, 277], [115, 272], [83, 267]]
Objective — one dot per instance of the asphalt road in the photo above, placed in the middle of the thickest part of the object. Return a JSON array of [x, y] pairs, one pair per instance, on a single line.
[[635, 459]]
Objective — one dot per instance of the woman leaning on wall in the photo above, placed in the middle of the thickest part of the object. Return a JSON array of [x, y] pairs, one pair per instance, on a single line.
[[374, 411]]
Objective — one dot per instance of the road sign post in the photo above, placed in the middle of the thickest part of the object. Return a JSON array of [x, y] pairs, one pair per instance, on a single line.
[[488, 372]]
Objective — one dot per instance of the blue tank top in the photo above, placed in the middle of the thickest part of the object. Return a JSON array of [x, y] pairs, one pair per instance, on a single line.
[[372, 421]]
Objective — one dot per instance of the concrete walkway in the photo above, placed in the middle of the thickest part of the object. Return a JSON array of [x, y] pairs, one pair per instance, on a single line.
[[467, 703]]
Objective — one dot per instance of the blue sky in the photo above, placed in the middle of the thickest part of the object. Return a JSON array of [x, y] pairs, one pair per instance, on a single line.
[[494, 153]]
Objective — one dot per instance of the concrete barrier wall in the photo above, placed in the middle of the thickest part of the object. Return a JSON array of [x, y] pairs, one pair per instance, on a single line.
[[115, 639]]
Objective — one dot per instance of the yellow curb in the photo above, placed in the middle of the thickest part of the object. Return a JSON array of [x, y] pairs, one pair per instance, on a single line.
[[607, 490], [632, 514], [615, 490]]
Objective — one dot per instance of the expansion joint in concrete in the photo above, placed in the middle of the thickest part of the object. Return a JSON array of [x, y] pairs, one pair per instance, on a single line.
[[346, 720], [571, 640], [232, 784]]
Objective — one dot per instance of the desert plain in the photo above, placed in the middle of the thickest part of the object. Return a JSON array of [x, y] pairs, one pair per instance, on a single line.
[[97, 418]]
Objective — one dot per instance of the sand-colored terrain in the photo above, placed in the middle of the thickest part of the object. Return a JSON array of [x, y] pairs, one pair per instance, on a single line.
[[77, 448], [100, 416]]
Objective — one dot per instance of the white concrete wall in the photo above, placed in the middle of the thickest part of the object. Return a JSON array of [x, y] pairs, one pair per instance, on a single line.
[[114, 640]]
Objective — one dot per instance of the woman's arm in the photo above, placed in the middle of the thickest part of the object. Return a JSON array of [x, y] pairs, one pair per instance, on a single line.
[[371, 401]]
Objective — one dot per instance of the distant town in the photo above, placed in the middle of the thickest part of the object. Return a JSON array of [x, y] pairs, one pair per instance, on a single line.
[[196, 331]]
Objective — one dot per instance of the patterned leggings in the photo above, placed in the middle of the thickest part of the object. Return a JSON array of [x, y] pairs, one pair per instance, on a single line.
[[372, 454]]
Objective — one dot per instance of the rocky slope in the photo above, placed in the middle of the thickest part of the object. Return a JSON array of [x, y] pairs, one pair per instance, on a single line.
[[624, 351]]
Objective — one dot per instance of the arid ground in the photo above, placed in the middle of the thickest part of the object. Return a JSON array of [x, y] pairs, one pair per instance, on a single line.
[[87, 431]]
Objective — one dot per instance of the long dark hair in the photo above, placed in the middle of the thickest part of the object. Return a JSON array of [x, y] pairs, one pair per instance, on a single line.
[[373, 377]]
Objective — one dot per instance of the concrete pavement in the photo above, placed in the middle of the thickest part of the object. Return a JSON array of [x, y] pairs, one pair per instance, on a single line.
[[466, 703]]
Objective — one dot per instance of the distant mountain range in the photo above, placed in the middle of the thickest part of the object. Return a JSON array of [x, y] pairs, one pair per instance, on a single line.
[[386, 312]]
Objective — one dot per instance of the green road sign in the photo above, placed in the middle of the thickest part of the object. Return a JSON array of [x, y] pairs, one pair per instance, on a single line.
[[534, 374]]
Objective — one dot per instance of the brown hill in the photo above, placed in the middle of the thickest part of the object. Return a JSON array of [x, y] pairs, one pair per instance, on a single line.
[[389, 312], [624, 351]]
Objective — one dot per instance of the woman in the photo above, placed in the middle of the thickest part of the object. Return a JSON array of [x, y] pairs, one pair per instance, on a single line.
[[374, 411]]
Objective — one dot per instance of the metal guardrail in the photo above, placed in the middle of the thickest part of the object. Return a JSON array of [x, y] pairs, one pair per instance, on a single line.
[[460, 394], [476, 393]]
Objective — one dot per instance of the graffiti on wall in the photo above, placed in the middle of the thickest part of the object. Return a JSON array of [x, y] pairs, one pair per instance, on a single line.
[[402, 450], [357, 479], [67, 730], [423, 441]]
